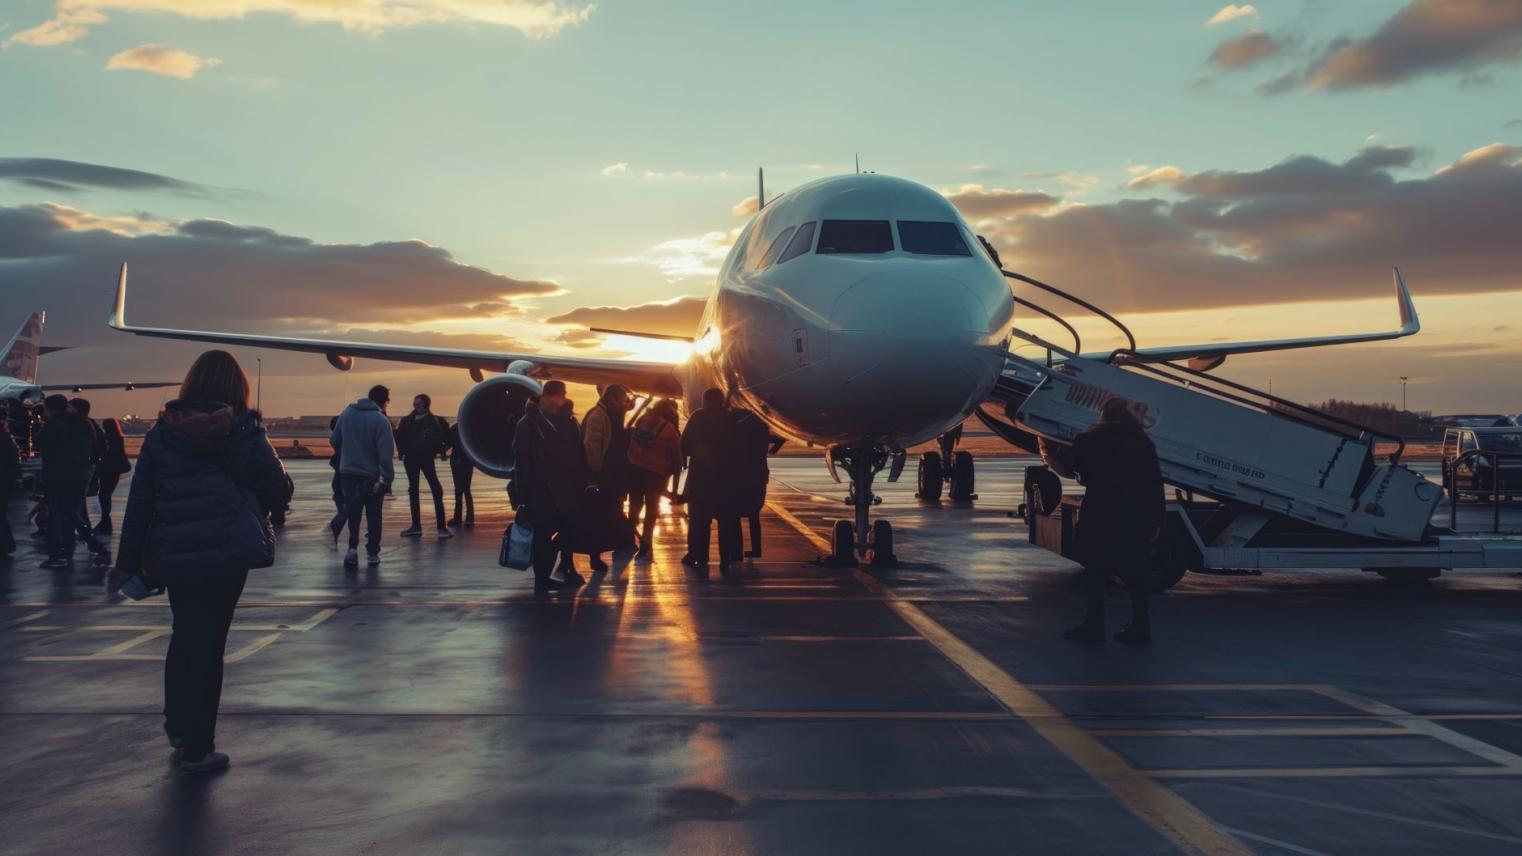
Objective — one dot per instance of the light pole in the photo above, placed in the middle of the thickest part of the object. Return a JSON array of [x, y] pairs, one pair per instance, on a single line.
[[259, 386], [1403, 379]]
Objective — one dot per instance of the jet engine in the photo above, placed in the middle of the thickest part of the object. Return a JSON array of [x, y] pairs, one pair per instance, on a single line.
[[487, 416]]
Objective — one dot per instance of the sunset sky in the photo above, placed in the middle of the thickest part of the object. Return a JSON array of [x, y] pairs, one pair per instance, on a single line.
[[471, 172]]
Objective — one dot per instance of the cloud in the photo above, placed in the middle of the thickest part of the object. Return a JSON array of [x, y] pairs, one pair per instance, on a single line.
[[689, 257], [1303, 174], [161, 59], [979, 203], [676, 317], [746, 207], [1424, 37], [1231, 12], [1244, 51], [535, 19], [1514, 123], [616, 168], [69, 25], [1303, 229], [69, 176], [198, 273]]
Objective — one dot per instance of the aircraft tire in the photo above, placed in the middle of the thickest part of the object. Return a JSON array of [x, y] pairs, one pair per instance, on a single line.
[[931, 477], [844, 542], [962, 477], [882, 545]]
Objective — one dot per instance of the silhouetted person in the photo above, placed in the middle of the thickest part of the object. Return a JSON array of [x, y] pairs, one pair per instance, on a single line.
[[10, 482], [565, 418], [655, 455], [1121, 518], [113, 465], [752, 441], [67, 445], [606, 440], [85, 531], [195, 523], [420, 438], [461, 470], [337, 482], [706, 445], [551, 474], [363, 442]]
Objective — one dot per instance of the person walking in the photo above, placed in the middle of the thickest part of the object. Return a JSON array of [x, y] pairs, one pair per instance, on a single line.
[[461, 470], [113, 465], [422, 437], [753, 440], [655, 455], [337, 482], [10, 481], [67, 445], [1121, 517], [606, 440], [364, 445], [195, 523], [706, 446], [83, 528], [551, 474]]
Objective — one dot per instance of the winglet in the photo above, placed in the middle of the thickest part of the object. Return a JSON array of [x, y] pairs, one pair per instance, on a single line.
[[118, 318], [1409, 322]]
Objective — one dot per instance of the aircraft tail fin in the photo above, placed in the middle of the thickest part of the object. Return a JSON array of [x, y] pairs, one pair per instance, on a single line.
[[19, 360]]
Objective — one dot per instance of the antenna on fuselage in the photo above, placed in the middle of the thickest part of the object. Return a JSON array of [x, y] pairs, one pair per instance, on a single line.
[[760, 188], [858, 163]]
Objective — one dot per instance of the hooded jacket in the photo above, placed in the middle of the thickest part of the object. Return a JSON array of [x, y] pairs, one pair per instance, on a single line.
[[67, 445], [419, 438], [187, 493], [363, 443], [1123, 504], [655, 446], [551, 472]]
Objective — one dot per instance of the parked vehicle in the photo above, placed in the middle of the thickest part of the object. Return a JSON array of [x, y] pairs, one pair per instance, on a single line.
[[1472, 456]]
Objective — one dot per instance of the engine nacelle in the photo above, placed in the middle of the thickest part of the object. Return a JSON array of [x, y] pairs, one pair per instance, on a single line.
[[487, 416]]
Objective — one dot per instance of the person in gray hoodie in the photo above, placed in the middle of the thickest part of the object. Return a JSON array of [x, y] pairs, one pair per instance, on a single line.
[[363, 443]]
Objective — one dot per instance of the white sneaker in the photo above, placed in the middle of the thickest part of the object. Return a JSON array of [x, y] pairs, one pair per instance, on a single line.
[[351, 558], [445, 534], [212, 761]]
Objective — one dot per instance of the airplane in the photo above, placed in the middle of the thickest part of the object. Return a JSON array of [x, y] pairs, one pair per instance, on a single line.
[[19, 390], [859, 313]]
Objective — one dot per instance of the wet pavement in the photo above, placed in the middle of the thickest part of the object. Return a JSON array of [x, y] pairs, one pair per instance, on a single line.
[[434, 704]]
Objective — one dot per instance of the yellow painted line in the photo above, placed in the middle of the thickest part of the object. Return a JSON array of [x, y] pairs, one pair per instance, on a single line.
[[311, 623], [913, 795], [252, 648], [79, 658], [1363, 717], [1174, 818], [1350, 731], [124, 647], [1415, 771], [25, 619], [1177, 688]]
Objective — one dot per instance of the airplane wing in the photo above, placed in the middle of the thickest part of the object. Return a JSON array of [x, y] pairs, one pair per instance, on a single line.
[[640, 376], [127, 385], [1209, 356]]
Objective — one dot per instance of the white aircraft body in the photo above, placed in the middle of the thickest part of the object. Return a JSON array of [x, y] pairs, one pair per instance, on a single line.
[[858, 313], [19, 389]]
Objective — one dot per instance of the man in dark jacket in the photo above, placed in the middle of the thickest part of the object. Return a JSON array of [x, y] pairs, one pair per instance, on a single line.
[[752, 441], [1121, 518], [420, 438], [83, 529], [363, 442], [707, 444], [10, 479], [67, 445], [550, 476], [461, 471]]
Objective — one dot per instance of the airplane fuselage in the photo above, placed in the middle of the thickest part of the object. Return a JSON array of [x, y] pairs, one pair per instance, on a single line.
[[884, 323]]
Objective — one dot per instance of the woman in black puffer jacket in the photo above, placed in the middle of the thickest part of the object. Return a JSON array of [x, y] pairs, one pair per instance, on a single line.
[[195, 523]]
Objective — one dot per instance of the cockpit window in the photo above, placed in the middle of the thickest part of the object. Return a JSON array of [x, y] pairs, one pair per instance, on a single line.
[[926, 238], [803, 239], [855, 236], [775, 249]]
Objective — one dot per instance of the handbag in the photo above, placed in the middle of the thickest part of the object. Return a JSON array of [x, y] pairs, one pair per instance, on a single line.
[[517, 546]]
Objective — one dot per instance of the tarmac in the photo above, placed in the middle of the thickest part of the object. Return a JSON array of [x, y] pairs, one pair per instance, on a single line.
[[434, 704]]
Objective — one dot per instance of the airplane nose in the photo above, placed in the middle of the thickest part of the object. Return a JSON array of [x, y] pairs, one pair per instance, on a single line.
[[905, 346]]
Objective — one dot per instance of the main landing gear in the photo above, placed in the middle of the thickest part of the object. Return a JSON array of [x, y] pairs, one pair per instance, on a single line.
[[947, 468], [862, 464]]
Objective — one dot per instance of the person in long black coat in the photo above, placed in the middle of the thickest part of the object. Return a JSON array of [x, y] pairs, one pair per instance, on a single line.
[[10, 480], [752, 440], [707, 445], [461, 470], [550, 477], [1121, 518]]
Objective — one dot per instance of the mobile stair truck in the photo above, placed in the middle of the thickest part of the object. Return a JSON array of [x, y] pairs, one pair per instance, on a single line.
[[1259, 482]]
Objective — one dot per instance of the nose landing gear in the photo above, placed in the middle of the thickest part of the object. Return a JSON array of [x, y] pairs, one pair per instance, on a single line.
[[863, 463], [947, 468]]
